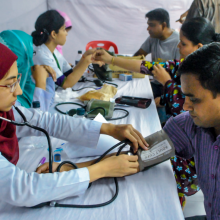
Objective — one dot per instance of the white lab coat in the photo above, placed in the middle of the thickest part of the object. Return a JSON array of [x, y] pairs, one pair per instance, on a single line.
[[45, 97], [43, 56], [28, 189]]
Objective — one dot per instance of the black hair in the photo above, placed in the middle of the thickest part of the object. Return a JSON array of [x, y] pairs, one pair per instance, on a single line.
[[160, 15], [199, 30], [204, 63], [47, 22]]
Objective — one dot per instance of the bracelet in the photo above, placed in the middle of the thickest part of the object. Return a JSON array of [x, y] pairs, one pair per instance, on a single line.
[[112, 61]]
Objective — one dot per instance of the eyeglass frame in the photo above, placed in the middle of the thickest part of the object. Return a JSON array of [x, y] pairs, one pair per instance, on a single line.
[[14, 85]]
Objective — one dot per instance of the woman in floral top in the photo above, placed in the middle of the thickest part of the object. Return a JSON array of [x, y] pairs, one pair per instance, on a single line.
[[193, 34]]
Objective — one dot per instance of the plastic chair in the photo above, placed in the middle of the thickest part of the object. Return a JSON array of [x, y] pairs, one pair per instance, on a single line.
[[103, 44]]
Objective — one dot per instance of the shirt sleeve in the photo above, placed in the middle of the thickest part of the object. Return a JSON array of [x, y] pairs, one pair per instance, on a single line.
[[195, 10], [66, 65], [176, 128], [81, 132], [42, 58], [172, 98], [45, 97], [146, 46], [30, 189], [147, 66]]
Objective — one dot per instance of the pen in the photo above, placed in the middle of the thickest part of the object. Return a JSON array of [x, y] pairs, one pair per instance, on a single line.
[[42, 161]]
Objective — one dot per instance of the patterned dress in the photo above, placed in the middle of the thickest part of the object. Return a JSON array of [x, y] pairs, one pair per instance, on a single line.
[[173, 100]]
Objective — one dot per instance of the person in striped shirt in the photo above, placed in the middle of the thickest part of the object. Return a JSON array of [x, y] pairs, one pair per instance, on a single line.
[[196, 132]]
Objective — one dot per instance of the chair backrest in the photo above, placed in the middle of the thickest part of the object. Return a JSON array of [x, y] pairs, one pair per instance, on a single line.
[[103, 44]]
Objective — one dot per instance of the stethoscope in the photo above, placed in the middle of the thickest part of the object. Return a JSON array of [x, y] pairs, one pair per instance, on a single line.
[[121, 145]]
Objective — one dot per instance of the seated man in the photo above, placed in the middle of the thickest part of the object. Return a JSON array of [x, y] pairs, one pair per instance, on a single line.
[[162, 42], [197, 131]]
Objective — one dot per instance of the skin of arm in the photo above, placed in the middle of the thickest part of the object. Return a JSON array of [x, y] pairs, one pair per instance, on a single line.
[[80, 68], [110, 166], [183, 17], [77, 72], [131, 65], [140, 52], [40, 74], [122, 132]]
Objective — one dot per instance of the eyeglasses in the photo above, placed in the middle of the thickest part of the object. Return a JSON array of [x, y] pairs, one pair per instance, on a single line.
[[13, 86]]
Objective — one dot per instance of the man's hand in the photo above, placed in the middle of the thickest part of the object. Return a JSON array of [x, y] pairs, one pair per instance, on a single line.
[[160, 74], [89, 57], [183, 17], [122, 132], [45, 168], [102, 55]]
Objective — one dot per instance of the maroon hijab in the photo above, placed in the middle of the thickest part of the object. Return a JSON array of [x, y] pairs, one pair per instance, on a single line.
[[8, 140]]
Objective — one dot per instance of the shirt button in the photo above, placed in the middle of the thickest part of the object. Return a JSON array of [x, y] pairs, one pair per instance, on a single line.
[[213, 176], [210, 204], [216, 147]]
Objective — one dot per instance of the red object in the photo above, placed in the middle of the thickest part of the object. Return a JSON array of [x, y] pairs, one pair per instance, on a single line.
[[8, 139], [103, 44], [7, 58]]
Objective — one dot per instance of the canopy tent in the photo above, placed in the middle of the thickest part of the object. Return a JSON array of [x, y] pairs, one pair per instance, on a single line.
[[120, 21]]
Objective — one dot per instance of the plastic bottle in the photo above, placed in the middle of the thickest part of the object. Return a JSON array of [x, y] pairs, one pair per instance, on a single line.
[[78, 57], [80, 112]]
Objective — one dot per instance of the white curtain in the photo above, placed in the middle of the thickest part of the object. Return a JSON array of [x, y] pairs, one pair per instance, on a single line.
[[120, 21], [20, 14]]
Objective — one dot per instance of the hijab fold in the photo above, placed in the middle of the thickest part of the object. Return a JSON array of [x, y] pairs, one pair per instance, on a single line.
[[8, 139], [21, 44]]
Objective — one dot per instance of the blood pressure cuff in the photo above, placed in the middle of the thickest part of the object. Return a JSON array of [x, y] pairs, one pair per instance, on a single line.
[[161, 148]]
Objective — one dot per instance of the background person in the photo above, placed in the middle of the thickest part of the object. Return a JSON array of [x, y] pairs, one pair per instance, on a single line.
[[34, 78], [203, 8], [196, 132], [50, 31], [193, 35], [162, 42]]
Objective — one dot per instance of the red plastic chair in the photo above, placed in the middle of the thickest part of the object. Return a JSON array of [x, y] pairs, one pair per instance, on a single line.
[[103, 44]]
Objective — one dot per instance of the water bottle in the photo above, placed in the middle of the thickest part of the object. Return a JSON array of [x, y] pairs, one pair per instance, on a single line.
[[78, 57], [80, 112]]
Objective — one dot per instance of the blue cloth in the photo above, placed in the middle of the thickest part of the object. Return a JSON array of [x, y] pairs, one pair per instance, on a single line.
[[22, 45]]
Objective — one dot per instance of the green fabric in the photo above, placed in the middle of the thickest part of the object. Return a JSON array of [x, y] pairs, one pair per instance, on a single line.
[[24, 51], [58, 65]]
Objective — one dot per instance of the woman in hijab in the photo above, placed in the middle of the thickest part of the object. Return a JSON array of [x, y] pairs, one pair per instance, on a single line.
[[56, 186], [22, 45]]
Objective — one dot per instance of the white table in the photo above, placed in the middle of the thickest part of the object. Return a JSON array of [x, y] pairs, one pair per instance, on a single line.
[[149, 195]]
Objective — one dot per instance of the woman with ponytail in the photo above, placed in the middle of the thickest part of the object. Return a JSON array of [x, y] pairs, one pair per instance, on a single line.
[[193, 34], [50, 31]]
